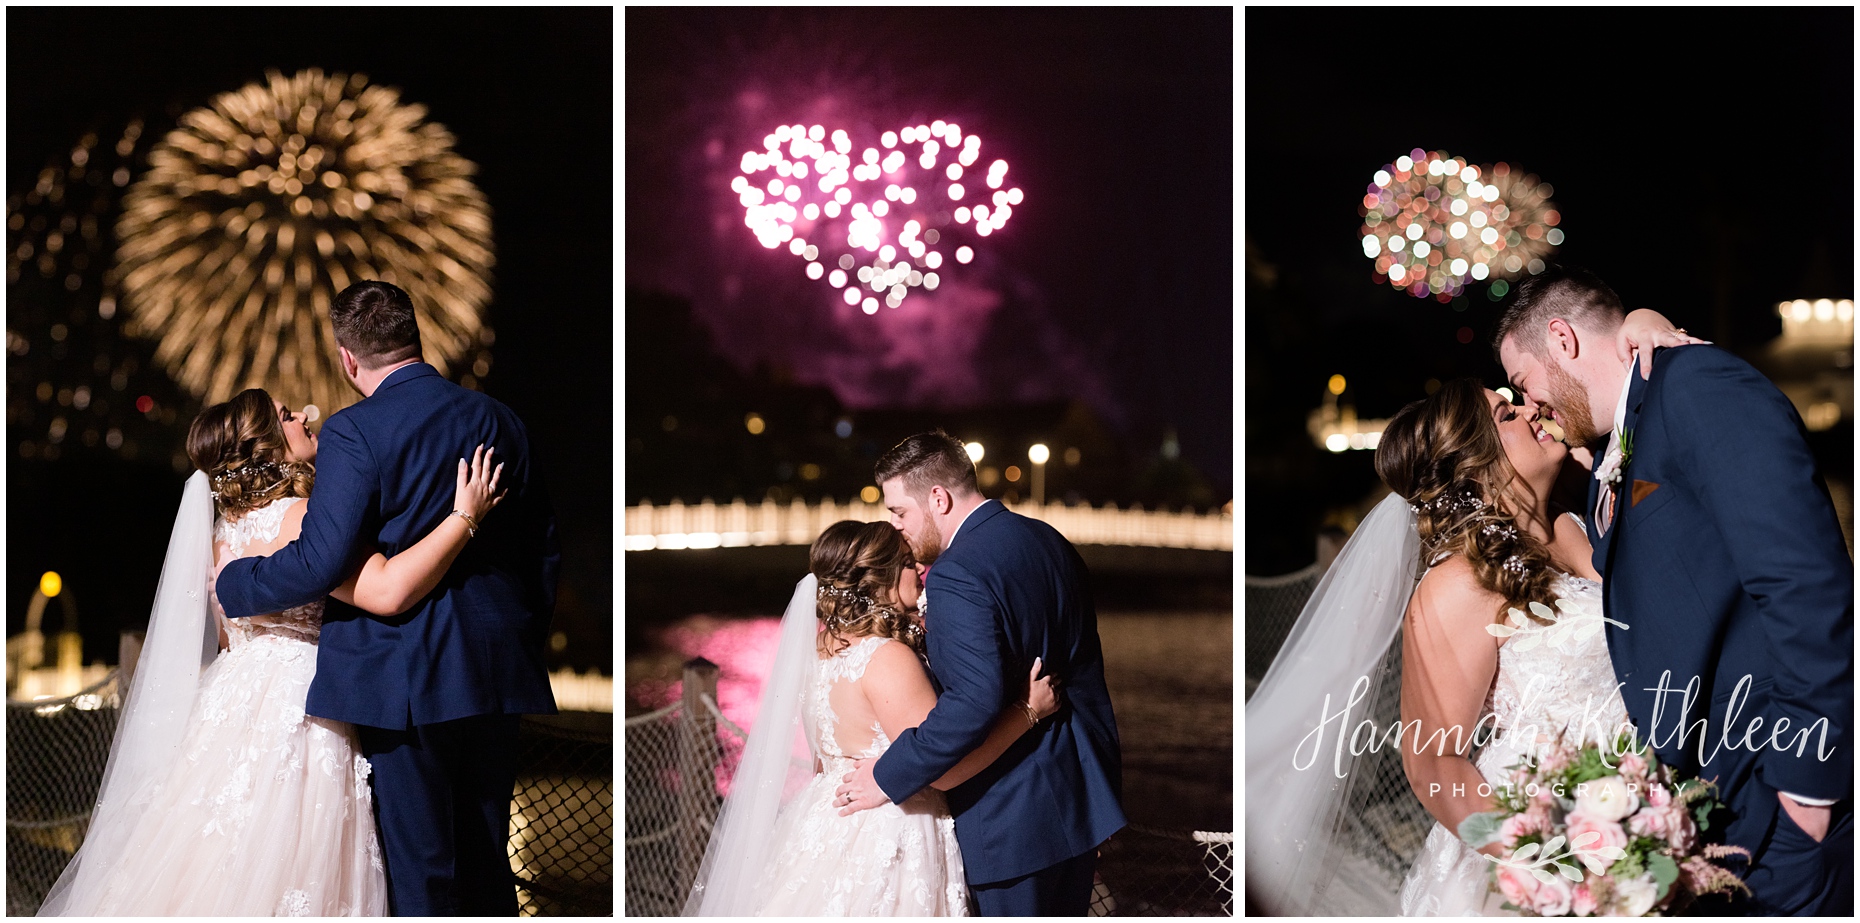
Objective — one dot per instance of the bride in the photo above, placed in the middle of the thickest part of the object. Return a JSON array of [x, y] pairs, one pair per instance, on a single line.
[[221, 797], [848, 678], [1471, 520], [1480, 473]]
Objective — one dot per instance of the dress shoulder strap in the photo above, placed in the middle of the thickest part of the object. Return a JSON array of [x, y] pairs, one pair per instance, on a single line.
[[850, 664]]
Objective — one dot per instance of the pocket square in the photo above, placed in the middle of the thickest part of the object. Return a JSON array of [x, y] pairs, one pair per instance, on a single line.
[[1641, 490]]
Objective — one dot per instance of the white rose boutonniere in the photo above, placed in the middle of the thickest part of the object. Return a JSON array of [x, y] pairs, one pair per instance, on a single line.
[[1615, 460]]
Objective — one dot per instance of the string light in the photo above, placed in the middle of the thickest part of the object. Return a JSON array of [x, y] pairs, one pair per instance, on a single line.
[[1433, 222], [261, 206]]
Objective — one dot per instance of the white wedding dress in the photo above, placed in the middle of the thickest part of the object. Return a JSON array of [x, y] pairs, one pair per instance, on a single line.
[[892, 860], [1569, 684], [267, 811]]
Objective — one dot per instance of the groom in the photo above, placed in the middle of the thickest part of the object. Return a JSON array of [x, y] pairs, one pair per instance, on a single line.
[[1005, 589], [1719, 548], [434, 692]]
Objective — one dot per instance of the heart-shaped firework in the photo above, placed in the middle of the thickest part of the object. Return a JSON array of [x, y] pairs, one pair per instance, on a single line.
[[874, 222]]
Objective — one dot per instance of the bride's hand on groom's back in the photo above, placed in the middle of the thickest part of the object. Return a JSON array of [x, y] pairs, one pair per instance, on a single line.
[[1042, 693], [477, 492]]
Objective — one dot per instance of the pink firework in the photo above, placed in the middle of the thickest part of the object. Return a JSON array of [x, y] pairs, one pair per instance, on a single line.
[[874, 222]]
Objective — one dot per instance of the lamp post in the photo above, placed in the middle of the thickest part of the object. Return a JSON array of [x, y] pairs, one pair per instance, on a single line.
[[1038, 454]]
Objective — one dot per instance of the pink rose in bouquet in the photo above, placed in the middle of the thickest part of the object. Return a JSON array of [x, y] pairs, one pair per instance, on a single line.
[[1582, 900], [1553, 897], [1659, 795], [1633, 767], [1539, 817], [1517, 885], [1650, 821], [1515, 826], [1610, 832]]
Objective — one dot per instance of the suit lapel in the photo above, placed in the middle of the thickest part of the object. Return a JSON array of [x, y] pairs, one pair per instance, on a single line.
[[1593, 524], [1604, 552]]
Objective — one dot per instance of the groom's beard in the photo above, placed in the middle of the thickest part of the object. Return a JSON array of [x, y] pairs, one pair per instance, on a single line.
[[1571, 401], [928, 544]]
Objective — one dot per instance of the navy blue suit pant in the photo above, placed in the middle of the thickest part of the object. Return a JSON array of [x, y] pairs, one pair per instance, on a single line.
[[442, 806], [1059, 890]]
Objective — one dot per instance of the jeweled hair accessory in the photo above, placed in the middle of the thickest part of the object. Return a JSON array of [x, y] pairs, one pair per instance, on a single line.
[[1501, 530], [1465, 502], [253, 468], [1514, 564], [846, 594]]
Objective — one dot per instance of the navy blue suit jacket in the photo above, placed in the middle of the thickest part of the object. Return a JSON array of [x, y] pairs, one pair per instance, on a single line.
[[1007, 590], [386, 475], [1730, 564]]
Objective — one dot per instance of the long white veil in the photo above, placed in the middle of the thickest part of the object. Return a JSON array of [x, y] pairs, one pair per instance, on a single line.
[[1299, 779], [742, 841], [181, 640]]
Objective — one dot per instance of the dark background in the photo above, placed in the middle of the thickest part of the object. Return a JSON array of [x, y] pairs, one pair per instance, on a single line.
[[1112, 284], [1702, 161], [528, 95]]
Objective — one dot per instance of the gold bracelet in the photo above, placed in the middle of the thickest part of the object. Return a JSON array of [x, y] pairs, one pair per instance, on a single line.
[[1032, 721], [471, 525]]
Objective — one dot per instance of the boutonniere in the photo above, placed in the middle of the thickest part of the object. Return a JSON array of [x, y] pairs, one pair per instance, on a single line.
[[1615, 460]]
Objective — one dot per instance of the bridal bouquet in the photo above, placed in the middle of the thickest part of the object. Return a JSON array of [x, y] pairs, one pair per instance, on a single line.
[[1584, 837]]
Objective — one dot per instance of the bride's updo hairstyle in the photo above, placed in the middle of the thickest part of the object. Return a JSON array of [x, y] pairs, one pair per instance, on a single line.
[[240, 445], [859, 565], [1443, 455]]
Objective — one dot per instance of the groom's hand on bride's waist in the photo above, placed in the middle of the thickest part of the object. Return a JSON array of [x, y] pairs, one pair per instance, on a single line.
[[859, 790]]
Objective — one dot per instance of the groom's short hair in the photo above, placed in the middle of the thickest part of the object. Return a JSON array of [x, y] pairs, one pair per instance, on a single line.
[[926, 460], [374, 321], [1568, 292]]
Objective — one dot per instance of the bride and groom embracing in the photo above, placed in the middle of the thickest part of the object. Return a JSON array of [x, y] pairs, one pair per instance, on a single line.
[[283, 754], [1709, 556], [904, 763]]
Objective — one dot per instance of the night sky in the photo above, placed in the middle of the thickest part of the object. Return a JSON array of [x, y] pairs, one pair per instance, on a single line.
[[1112, 283], [529, 97], [1702, 162]]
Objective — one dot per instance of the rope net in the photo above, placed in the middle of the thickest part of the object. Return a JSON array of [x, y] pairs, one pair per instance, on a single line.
[[56, 750], [561, 824]]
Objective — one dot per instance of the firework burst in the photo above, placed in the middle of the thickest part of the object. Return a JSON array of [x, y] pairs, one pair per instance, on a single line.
[[837, 201], [258, 208], [1433, 223]]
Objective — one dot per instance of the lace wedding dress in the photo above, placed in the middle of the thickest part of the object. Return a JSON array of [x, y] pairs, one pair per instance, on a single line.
[[267, 812], [893, 860], [1551, 687]]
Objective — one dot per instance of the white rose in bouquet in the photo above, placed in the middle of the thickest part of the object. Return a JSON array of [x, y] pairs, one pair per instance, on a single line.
[[1606, 799], [1636, 896]]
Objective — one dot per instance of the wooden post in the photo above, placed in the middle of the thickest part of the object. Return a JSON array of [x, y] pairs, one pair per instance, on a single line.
[[697, 769]]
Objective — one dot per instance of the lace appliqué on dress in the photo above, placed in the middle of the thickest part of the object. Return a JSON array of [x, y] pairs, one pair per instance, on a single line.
[[261, 526]]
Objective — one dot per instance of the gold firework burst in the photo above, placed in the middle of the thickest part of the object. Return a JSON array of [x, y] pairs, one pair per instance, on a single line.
[[263, 205]]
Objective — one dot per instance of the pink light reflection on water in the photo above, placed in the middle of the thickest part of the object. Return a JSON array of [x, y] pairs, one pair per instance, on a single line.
[[744, 651]]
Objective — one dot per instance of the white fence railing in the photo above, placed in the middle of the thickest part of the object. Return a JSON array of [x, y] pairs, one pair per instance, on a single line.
[[739, 524]]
